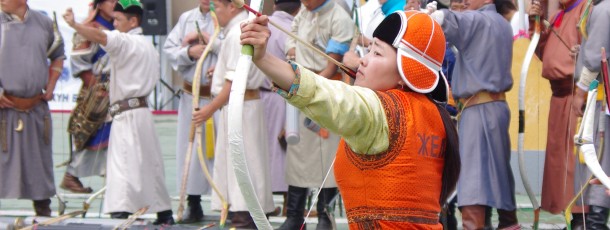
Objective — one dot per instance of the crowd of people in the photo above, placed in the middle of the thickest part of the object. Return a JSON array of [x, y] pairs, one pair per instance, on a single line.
[[387, 140]]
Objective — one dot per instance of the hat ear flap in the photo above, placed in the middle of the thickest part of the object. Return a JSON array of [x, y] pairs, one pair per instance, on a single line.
[[440, 93]]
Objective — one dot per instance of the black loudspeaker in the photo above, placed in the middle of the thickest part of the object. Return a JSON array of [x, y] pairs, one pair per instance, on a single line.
[[154, 20]]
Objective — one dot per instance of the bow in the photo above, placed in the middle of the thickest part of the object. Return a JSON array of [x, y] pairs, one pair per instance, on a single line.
[[523, 77], [584, 138], [194, 128], [225, 205], [235, 133], [58, 40]]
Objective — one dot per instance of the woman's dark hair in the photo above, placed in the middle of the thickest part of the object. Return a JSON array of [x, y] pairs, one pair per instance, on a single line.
[[288, 7], [504, 7], [451, 169]]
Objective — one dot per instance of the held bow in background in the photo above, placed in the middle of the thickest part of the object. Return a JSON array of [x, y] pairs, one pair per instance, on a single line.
[[585, 134], [193, 128], [57, 41], [585, 137], [522, 83], [209, 132], [587, 146], [58, 38]]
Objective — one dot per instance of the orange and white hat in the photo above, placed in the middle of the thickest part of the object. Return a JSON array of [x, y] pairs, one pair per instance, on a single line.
[[420, 44]]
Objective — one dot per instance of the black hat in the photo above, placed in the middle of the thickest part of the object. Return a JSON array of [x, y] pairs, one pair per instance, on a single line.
[[129, 6], [287, 1]]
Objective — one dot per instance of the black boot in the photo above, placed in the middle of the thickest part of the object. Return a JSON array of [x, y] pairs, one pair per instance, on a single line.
[[164, 218], [597, 217], [295, 208], [488, 214], [119, 215], [451, 221], [324, 222], [194, 212], [507, 219], [577, 221], [42, 207]]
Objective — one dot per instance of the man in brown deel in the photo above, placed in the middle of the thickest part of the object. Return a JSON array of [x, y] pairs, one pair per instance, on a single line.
[[558, 63]]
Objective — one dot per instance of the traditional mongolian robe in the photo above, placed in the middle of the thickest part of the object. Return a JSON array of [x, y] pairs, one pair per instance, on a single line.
[[88, 56], [135, 174], [254, 130], [486, 177], [558, 68], [275, 106], [178, 55], [590, 57], [26, 157], [389, 177], [330, 29]]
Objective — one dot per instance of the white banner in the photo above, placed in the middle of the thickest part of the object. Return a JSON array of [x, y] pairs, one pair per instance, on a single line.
[[67, 86]]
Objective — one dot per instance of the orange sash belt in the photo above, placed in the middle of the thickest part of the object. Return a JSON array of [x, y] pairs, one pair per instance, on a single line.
[[480, 98]]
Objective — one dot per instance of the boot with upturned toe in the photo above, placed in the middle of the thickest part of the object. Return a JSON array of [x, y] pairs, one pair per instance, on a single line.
[[194, 211], [73, 184], [164, 218]]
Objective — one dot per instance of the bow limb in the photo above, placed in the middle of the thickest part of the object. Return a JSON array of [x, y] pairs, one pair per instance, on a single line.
[[198, 131], [195, 90], [87, 203], [235, 134], [588, 149], [584, 140], [523, 77], [58, 38], [225, 205], [585, 135]]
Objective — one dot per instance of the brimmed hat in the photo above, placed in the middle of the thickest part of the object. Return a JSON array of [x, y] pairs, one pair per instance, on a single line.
[[420, 44]]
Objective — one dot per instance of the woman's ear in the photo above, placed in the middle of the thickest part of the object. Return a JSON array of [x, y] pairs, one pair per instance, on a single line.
[[401, 84]]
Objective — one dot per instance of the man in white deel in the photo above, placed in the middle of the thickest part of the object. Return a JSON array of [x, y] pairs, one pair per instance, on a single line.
[[135, 174], [183, 48]]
